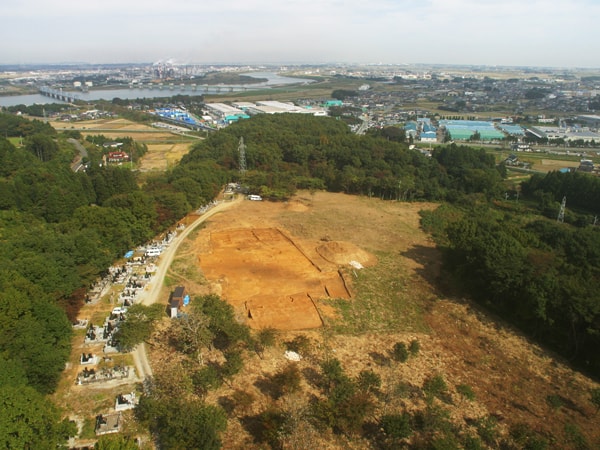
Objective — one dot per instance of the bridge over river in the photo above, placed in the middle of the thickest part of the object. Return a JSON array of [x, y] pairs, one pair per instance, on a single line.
[[59, 94]]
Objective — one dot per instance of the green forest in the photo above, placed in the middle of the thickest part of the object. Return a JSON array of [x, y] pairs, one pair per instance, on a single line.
[[61, 230]]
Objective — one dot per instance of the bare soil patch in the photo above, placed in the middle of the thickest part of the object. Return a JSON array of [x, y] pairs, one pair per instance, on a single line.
[[268, 277]]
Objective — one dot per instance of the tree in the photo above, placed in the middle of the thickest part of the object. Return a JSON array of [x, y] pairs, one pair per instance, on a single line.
[[181, 424], [234, 363], [138, 325], [222, 322], [115, 442], [476, 136], [42, 146], [205, 379], [191, 333], [435, 386], [30, 421], [414, 347]]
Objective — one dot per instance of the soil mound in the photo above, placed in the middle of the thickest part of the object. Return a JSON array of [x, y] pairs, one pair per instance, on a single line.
[[341, 253], [296, 206]]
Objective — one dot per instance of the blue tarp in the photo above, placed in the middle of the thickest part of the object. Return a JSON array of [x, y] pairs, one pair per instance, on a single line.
[[186, 300], [129, 254]]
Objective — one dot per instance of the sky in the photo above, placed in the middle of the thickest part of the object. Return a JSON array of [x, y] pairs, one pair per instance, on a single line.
[[462, 32]]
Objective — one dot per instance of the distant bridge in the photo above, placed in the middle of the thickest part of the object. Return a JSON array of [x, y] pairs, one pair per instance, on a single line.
[[59, 94]]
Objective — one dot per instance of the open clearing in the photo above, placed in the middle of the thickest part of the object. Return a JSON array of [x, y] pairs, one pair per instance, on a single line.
[[264, 257]]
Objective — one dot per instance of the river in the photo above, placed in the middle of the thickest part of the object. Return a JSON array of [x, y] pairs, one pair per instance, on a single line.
[[167, 90]]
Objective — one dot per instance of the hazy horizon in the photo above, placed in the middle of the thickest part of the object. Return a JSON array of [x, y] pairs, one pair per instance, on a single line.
[[504, 33]]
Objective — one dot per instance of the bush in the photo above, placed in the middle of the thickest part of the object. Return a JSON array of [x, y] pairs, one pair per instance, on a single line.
[[400, 352], [486, 429], [554, 401], [595, 398], [414, 347], [396, 426], [368, 381], [266, 337], [466, 391], [300, 344], [435, 386], [287, 380]]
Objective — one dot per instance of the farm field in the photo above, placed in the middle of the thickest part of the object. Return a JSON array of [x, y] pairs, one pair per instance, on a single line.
[[165, 148]]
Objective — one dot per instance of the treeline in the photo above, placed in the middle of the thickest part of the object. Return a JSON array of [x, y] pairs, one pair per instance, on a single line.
[[539, 274], [581, 190], [38, 110], [286, 152]]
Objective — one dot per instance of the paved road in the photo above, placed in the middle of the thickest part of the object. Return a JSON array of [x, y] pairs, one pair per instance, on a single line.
[[151, 294], [76, 165]]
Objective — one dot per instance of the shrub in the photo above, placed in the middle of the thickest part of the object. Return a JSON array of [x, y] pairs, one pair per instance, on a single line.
[[466, 391], [287, 380], [300, 344], [595, 398], [414, 347], [242, 400], [396, 426], [400, 352], [486, 429], [435, 386], [368, 381], [554, 401]]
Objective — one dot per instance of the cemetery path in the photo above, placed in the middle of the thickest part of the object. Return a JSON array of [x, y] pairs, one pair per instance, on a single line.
[[152, 293]]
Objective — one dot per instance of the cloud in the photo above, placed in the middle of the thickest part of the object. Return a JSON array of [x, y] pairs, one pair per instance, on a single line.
[[461, 31]]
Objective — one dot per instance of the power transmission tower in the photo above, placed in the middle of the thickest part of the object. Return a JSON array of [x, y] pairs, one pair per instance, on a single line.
[[242, 155], [561, 212]]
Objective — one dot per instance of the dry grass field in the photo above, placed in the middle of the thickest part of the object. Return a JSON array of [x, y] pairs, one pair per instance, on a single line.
[[266, 254]]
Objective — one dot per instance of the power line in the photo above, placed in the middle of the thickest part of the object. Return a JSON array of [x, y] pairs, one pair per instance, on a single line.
[[242, 155], [561, 212]]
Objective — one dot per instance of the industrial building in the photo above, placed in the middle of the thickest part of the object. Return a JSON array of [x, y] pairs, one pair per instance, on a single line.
[[222, 110], [463, 130], [567, 134]]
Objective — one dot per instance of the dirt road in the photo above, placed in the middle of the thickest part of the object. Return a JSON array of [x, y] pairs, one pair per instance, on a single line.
[[151, 294]]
